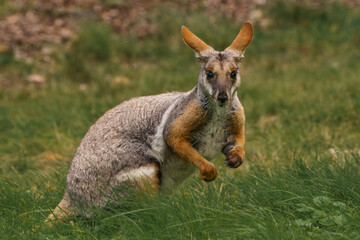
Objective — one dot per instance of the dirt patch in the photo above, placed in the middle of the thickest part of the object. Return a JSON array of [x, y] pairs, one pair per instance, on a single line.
[[35, 25]]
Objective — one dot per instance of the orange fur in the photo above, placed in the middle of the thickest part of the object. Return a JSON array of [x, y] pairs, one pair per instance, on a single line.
[[193, 41], [243, 38], [237, 128], [192, 118]]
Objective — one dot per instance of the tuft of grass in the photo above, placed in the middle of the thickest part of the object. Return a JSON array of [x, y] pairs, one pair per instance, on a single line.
[[300, 94], [294, 201]]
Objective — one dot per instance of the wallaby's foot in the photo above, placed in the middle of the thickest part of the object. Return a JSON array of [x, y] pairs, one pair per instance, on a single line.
[[62, 211], [235, 157], [208, 172]]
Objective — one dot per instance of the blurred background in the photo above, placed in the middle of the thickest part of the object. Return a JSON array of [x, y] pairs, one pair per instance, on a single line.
[[64, 63]]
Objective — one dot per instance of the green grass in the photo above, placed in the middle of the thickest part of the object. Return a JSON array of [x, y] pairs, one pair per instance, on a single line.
[[300, 91]]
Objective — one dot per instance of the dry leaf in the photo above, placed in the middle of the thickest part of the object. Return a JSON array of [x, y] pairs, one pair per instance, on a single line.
[[121, 80], [36, 78]]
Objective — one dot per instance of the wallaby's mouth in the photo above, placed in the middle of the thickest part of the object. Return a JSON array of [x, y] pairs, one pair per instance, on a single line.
[[221, 104]]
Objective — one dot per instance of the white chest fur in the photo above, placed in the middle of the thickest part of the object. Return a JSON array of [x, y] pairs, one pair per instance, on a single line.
[[212, 138]]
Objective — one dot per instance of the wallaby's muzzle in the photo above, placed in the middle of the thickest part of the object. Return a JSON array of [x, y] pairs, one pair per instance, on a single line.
[[222, 98]]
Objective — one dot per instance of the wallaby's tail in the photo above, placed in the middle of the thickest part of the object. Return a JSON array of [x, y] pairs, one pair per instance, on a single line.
[[63, 210]]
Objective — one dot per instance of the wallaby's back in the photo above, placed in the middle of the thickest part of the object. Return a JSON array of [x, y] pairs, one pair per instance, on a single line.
[[118, 142]]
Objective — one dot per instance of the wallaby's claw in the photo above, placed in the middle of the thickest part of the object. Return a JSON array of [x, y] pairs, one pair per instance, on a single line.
[[233, 159], [208, 172]]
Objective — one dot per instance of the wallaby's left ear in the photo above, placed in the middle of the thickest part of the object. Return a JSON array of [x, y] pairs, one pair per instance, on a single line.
[[243, 38], [193, 41]]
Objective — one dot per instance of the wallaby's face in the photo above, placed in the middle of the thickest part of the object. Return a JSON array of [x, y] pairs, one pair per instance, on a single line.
[[219, 75]]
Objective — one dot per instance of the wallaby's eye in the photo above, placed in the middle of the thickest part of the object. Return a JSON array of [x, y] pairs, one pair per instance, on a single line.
[[233, 74], [209, 74]]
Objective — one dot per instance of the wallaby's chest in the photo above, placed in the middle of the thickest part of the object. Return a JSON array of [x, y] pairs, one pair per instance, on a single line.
[[212, 137]]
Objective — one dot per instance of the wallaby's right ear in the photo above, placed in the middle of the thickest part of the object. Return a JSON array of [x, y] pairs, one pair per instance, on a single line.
[[194, 42]]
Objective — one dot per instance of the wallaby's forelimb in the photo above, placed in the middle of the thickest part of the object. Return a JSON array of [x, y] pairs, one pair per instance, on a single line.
[[235, 155], [179, 138]]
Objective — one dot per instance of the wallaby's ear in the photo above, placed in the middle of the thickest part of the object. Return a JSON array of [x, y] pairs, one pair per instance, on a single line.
[[193, 41], [243, 38]]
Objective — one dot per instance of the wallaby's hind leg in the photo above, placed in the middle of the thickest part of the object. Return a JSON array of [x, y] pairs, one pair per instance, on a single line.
[[62, 211], [147, 177], [151, 182]]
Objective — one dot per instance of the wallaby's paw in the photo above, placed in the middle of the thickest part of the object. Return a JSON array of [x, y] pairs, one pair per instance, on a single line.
[[234, 158], [208, 172]]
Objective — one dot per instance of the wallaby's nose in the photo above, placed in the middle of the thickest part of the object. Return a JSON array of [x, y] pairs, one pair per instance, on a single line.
[[222, 97]]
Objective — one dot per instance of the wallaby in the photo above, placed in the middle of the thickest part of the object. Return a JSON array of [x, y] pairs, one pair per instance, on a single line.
[[160, 140]]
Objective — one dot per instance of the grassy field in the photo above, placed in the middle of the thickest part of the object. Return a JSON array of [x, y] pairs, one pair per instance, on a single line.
[[300, 91]]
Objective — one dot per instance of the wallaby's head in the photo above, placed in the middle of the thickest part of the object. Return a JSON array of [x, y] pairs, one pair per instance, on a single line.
[[219, 75]]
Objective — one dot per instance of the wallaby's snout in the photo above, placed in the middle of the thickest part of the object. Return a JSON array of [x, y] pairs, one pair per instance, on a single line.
[[217, 79], [222, 98]]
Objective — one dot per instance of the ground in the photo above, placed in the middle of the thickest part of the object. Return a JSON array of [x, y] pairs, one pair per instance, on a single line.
[[300, 91]]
